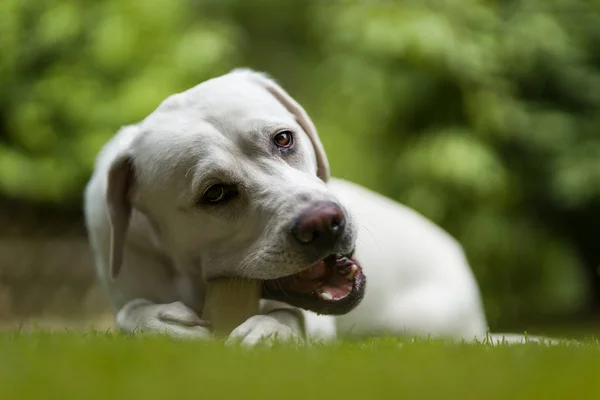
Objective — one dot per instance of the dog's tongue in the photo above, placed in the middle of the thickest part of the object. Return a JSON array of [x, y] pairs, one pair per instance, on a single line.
[[330, 279]]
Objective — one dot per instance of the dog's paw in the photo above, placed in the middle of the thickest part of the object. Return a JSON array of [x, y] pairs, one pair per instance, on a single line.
[[179, 321], [174, 319], [263, 330]]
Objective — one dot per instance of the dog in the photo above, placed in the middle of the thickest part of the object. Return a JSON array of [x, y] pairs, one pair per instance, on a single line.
[[230, 179]]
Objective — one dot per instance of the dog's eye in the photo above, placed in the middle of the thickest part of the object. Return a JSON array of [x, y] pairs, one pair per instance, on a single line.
[[216, 193], [284, 139]]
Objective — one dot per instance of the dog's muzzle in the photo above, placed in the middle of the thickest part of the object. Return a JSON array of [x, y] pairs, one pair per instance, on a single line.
[[335, 283]]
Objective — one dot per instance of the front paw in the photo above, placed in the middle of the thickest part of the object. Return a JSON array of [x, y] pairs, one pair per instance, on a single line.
[[174, 319], [263, 329]]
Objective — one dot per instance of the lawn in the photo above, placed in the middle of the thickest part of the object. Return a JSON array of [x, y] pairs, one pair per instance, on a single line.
[[37, 365]]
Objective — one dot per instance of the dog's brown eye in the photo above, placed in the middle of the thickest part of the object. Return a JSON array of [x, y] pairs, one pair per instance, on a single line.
[[215, 193], [284, 139], [219, 193]]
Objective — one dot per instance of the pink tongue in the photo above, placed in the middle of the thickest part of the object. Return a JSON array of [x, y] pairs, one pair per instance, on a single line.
[[337, 292], [330, 282], [337, 286]]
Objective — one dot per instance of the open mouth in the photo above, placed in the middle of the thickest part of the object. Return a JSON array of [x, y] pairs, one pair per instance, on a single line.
[[334, 285]]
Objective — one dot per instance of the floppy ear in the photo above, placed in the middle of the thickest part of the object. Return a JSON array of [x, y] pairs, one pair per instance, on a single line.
[[120, 178], [301, 117]]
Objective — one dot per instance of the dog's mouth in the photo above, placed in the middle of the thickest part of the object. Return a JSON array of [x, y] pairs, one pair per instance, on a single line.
[[334, 285]]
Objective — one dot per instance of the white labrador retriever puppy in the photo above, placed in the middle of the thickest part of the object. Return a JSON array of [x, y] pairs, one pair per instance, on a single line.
[[229, 178]]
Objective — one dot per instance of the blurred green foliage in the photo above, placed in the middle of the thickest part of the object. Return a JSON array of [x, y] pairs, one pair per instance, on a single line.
[[481, 115]]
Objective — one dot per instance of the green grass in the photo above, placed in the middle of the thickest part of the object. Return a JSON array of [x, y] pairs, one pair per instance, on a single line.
[[110, 366]]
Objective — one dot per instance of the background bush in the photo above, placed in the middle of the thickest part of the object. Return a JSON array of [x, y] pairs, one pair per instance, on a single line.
[[483, 116]]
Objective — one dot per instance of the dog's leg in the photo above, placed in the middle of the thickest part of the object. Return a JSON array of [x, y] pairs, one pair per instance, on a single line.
[[281, 322], [432, 311], [145, 296], [277, 322], [280, 325], [173, 319]]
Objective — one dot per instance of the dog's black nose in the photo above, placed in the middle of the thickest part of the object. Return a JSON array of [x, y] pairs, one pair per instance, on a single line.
[[320, 226]]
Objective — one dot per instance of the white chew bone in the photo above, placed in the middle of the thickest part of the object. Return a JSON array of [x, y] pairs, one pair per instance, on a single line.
[[229, 302]]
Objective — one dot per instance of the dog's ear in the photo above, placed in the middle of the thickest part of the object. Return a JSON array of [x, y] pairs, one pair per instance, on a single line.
[[120, 179], [301, 117]]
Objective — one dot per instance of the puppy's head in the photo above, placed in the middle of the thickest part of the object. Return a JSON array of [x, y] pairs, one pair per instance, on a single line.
[[232, 176]]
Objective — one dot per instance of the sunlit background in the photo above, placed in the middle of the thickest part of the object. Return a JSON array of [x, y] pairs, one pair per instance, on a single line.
[[481, 115]]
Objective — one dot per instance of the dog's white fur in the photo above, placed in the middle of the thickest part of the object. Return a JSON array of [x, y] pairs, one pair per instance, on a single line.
[[155, 248]]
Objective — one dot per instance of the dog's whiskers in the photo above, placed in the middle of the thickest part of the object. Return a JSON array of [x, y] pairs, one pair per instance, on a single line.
[[247, 263], [251, 260], [366, 228]]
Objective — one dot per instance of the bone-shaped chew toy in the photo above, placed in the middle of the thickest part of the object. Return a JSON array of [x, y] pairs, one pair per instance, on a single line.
[[229, 302]]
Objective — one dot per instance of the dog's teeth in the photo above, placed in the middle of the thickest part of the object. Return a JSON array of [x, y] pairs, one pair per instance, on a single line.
[[352, 273], [326, 296]]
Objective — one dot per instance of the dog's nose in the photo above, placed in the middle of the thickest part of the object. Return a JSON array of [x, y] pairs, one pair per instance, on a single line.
[[320, 226]]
